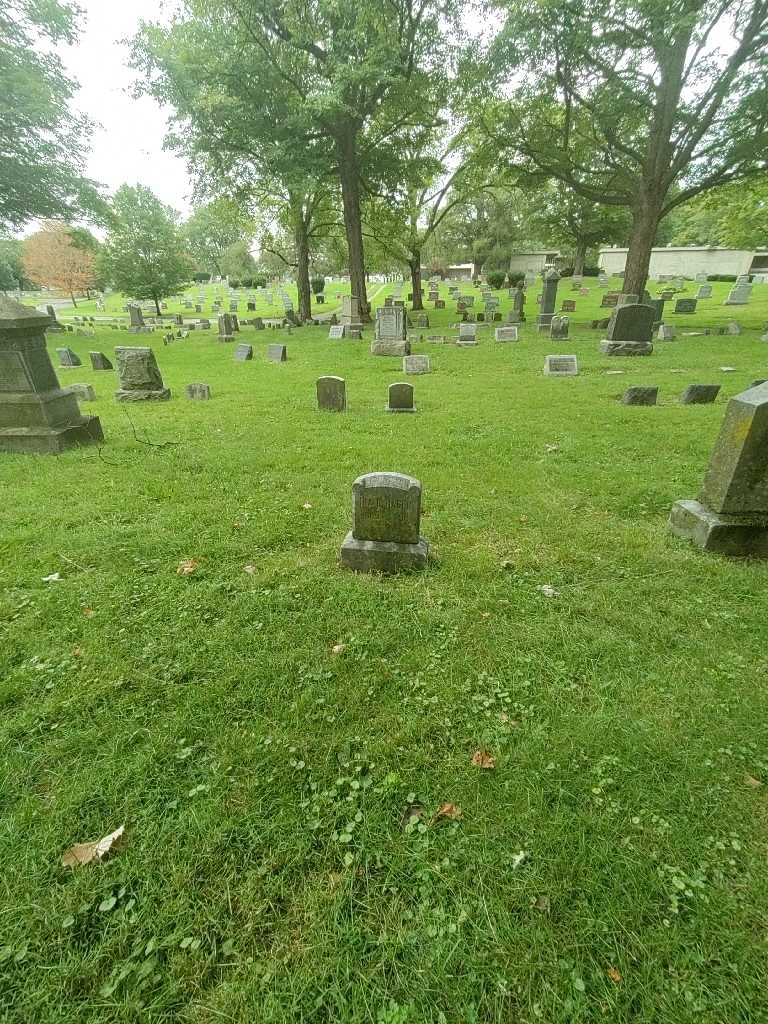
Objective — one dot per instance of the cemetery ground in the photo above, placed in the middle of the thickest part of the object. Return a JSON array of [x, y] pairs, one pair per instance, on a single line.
[[528, 784]]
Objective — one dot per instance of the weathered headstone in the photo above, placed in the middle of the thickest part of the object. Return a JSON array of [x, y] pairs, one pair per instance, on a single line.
[[627, 299], [732, 327], [277, 353], [700, 394], [198, 392], [243, 353], [416, 364], [99, 361], [139, 376], [704, 292], [506, 334], [83, 392], [548, 300], [226, 331], [467, 334], [68, 358], [386, 516], [336, 332], [609, 300], [657, 305], [350, 312], [568, 306], [558, 327], [740, 294], [400, 398], [331, 394], [137, 319], [37, 415], [640, 396], [54, 326], [390, 332], [666, 332], [561, 366], [731, 515], [518, 303], [629, 331], [685, 306]]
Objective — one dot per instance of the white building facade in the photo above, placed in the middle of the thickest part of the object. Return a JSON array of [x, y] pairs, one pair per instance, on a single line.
[[689, 260], [521, 262]]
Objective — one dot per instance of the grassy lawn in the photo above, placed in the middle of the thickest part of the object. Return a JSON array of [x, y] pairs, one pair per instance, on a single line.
[[285, 859]]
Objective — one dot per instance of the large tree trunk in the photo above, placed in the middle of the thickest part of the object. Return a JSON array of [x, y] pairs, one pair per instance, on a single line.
[[349, 175], [578, 258], [157, 304], [645, 222], [415, 268], [301, 242]]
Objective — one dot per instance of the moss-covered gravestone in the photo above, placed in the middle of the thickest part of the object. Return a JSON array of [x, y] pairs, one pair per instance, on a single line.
[[731, 515], [386, 514], [36, 413]]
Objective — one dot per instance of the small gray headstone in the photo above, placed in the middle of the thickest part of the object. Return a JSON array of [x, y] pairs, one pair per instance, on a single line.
[[685, 306], [67, 357], [198, 392], [400, 398], [243, 353], [704, 292], [83, 392], [666, 332], [561, 366], [640, 396], [277, 353], [507, 334], [139, 376], [386, 516], [99, 361], [331, 394], [416, 364], [558, 327], [336, 332], [700, 394]]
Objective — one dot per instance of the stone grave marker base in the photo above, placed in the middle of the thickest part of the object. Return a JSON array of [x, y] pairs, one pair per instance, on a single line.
[[625, 348], [736, 536], [381, 555]]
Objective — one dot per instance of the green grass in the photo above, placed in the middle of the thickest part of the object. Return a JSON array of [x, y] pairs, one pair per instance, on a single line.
[[263, 781]]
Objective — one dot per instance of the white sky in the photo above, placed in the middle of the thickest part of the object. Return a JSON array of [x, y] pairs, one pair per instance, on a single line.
[[128, 148]]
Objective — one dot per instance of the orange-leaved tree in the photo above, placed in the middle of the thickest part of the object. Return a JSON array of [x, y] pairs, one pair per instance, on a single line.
[[53, 259]]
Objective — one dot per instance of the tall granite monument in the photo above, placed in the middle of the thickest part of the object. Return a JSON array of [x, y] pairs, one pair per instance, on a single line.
[[548, 300], [731, 515], [36, 413]]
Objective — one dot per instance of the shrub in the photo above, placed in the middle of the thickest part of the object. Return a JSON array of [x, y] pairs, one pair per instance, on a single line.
[[202, 277], [234, 283], [496, 279], [259, 281], [317, 284], [721, 277], [247, 282], [515, 279], [565, 271]]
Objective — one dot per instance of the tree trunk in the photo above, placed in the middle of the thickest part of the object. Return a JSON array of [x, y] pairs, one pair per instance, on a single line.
[[349, 175], [645, 222], [72, 296], [578, 258], [415, 267], [301, 242], [157, 304]]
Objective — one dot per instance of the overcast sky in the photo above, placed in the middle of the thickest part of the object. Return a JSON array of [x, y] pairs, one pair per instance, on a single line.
[[128, 148]]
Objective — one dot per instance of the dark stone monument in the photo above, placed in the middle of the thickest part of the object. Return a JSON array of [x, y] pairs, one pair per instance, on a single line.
[[243, 353], [37, 415], [685, 306], [700, 394], [629, 331], [386, 516], [731, 515], [68, 358], [54, 326], [139, 376], [568, 306], [331, 394], [198, 392], [226, 330], [640, 396], [277, 353], [548, 301], [400, 398]]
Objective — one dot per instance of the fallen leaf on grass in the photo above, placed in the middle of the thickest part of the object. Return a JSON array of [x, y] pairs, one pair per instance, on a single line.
[[187, 567], [86, 853], [448, 811], [750, 780], [519, 858], [250, 569], [88, 613], [77, 652], [55, 577], [306, 505], [552, 447], [482, 759], [338, 649], [614, 975], [548, 591], [542, 903], [412, 814]]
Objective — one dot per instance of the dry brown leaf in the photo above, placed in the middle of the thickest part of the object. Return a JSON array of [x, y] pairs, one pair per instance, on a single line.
[[88, 613], [542, 903], [448, 811], [338, 649], [750, 780], [614, 975], [187, 567], [77, 652], [482, 759], [86, 853]]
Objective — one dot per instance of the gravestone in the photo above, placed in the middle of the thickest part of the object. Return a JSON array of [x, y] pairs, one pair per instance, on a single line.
[[640, 396], [416, 364], [657, 305], [700, 394], [739, 295], [629, 331], [226, 332], [37, 415], [400, 398], [99, 361], [667, 295], [198, 392], [390, 332], [467, 334], [139, 376], [558, 327], [732, 328], [568, 306], [685, 306], [439, 303], [386, 516], [561, 366], [68, 358], [701, 277], [548, 300], [627, 299], [235, 322], [251, 307], [518, 304], [350, 312], [243, 353], [731, 515], [331, 394], [666, 332], [277, 353], [336, 332], [137, 319], [83, 392], [54, 326], [704, 292], [506, 334], [609, 300], [258, 323]]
